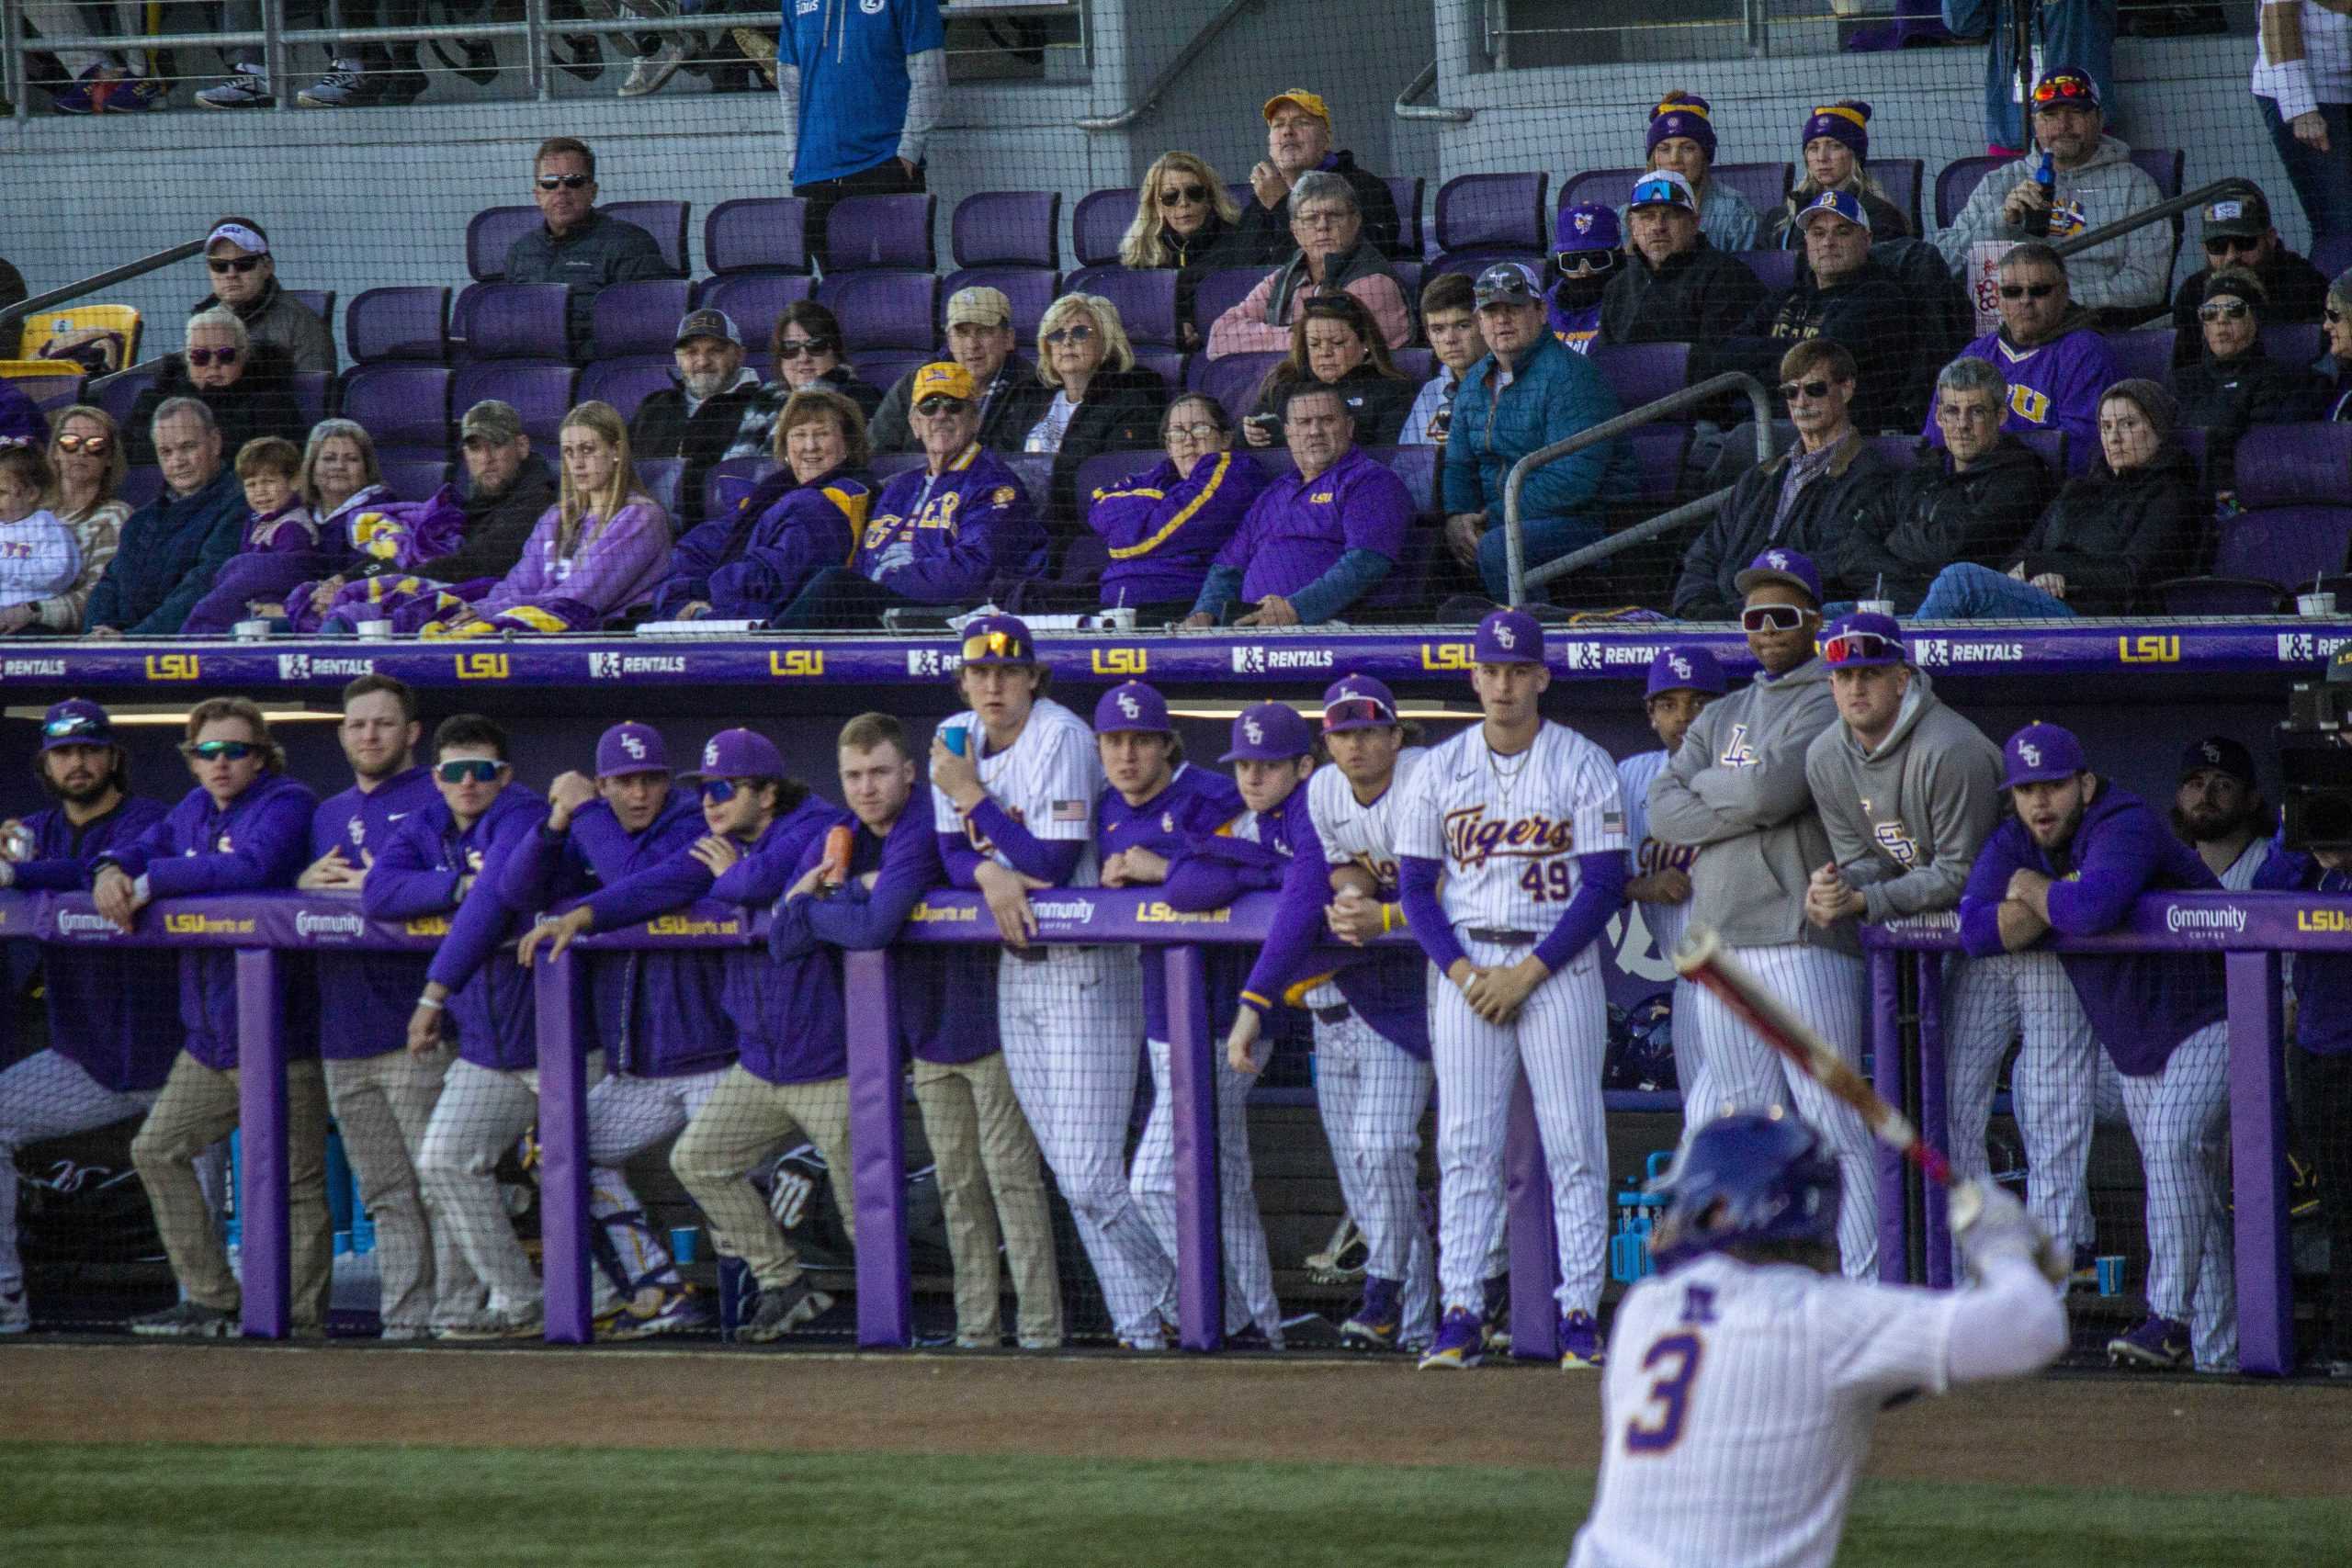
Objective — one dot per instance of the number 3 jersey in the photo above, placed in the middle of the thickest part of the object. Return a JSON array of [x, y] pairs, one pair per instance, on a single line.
[[1736, 1408]]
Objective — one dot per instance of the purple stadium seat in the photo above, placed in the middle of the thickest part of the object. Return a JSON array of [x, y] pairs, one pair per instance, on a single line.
[[867, 231], [1098, 224], [1417, 466], [1484, 212], [50, 393], [883, 310], [1411, 275], [639, 318], [2050, 446], [1766, 185], [2294, 490], [1106, 469], [883, 366], [1777, 270], [757, 234], [490, 233], [2163, 164], [1657, 462], [660, 476], [1599, 188], [627, 381], [1221, 290], [1169, 364], [665, 220], [410, 322], [311, 389], [1416, 364], [2332, 253], [516, 320], [1007, 228], [540, 392], [757, 300], [1029, 289], [319, 303], [401, 405], [119, 392], [1235, 380], [1901, 179], [888, 465], [2294, 342], [1643, 372], [1407, 193], [1958, 181], [1900, 451], [1145, 300], [727, 482], [413, 478], [2147, 352], [140, 486]]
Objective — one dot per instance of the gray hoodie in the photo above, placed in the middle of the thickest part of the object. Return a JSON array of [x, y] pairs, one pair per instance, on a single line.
[[1737, 787], [1905, 821], [2121, 275]]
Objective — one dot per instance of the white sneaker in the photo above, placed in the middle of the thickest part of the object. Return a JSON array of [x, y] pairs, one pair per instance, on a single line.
[[248, 89], [335, 90], [652, 72], [16, 1315]]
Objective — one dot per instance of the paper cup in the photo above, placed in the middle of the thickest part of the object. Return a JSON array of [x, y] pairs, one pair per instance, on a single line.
[[252, 631], [373, 631], [2314, 603], [2110, 1274], [685, 1243]]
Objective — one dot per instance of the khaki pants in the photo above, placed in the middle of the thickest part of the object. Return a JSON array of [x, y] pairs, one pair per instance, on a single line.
[[990, 1171], [197, 1109], [382, 1105], [745, 1119]]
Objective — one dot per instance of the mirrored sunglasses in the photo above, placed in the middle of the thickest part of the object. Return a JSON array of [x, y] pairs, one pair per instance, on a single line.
[[1846, 647], [719, 792], [2066, 92], [219, 750], [2223, 309], [94, 445], [1358, 710], [468, 770], [72, 724], [1771, 618], [567, 182]]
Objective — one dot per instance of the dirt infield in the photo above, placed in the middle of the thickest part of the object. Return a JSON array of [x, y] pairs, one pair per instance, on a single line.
[[2175, 1434]]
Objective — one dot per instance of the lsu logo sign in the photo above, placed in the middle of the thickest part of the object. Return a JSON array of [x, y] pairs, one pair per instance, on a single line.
[[173, 667], [207, 925], [2334, 921], [483, 665], [2149, 649], [1121, 660], [798, 663], [1156, 913], [1446, 655], [426, 925]]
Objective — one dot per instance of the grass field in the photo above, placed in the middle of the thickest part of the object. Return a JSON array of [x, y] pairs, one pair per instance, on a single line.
[[129, 1506]]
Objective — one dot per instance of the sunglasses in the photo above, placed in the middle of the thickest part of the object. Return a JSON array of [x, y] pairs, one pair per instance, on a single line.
[[1358, 710], [1177, 196], [72, 724], [1772, 619], [1571, 262], [1079, 334], [2028, 290], [1816, 391], [1002, 646], [2223, 309], [565, 182], [938, 408], [2071, 92], [793, 347], [468, 770], [2223, 244], [94, 445], [201, 357], [719, 792], [233, 264], [1847, 646], [220, 751]]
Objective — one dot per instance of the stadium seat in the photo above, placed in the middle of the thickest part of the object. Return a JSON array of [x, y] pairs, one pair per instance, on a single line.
[[758, 233], [883, 366], [1006, 228], [866, 232], [1235, 380], [2298, 344], [1416, 364], [639, 318], [627, 381], [2147, 352], [2332, 253], [660, 476], [883, 308], [757, 300], [1777, 270], [106, 336], [404, 405], [314, 393], [1407, 193], [1145, 300], [1901, 178], [1643, 372], [412, 478], [119, 393], [321, 303], [516, 320], [1098, 224], [540, 392], [1658, 451], [490, 233], [1412, 274], [410, 323], [1417, 466], [1028, 289], [727, 482], [1484, 217], [50, 385], [2294, 491], [1170, 364], [888, 465], [1219, 292], [665, 220], [1106, 469]]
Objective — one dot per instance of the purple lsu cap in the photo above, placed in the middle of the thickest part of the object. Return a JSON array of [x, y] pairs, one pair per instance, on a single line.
[[1684, 669], [1844, 203], [1863, 641], [2041, 753], [1792, 567], [999, 640], [1269, 732], [1357, 702], [740, 754], [1508, 636], [631, 748], [76, 721], [1132, 705]]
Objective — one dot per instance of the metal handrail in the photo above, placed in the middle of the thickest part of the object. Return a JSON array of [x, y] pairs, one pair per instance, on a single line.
[[97, 280], [1149, 99], [1514, 545], [1406, 108], [2171, 207], [700, 22]]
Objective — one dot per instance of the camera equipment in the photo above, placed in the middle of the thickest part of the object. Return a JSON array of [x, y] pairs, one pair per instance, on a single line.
[[2315, 762]]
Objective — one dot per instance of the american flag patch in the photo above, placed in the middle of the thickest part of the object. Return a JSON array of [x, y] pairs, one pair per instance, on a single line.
[[1612, 821], [1069, 811]]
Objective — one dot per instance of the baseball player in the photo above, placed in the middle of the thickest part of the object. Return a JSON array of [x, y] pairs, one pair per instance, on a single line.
[[1521, 818], [2219, 811], [2077, 854], [113, 1014], [1744, 1377], [1154, 802], [1682, 682], [991, 1185], [1736, 790], [1335, 834], [441, 864], [666, 1039], [381, 1096], [1015, 812]]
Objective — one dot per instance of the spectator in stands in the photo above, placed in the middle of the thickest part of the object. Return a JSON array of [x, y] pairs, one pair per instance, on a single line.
[[806, 349], [40, 556], [2238, 236], [269, 467], [1842, 294], [2094, 184], [300, 530], [245, 280], [1187, 221], [103, 84], [339, 479], [1091, 397], [2303, 88], [1589, 245], [86, 454], [1682, 139], [1836, 155], [2233, 384], [1315, 542], [1450, 315], [1974, 499], [748, 568], [1676, 286], [243, 383], [697, 420], [980, 339], [1336, 342], [2055, 365], [1298, 143], [2129, 521], [577, 245], [2079, 30], [2336, 322], [1812, 499], [21, 422], [1527, 393], [941, 535], [1164, 524], [861, 89], [1334, 255], [172, 546]]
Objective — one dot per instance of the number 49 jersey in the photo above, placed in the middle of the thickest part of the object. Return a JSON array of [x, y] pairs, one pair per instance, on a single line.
[[1509, 828]]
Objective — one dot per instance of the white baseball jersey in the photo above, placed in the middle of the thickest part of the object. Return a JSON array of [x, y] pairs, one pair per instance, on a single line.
[[1667, 923], [1353, 832], [1738, 1405], [1047, 780], [1509, 829]]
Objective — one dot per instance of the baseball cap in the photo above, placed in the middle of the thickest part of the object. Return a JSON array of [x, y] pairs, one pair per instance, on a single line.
[[1357, 702], [2220, 753], [1684, 666], [493, 421], [1508, 636], [740, 754], [978, 306], [2064, 86], [2041, 753], [708, 322], [1269, 732], [1863, 641], [1311, 102], [1663, 187], [2246, 214], [1844, 203], [245, 238], [1509, 283], [998, 639], [941, 378], [1792, 567], [76, 721], [1132, 706], [631, 748], [1588, 226]]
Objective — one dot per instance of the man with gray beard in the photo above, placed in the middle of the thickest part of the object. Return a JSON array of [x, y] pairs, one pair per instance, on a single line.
[[697, 419]]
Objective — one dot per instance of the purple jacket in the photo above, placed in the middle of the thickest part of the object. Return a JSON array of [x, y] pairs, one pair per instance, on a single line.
[[256, 843], [944, 539], [107, 1009], [368, 995], [1163, 531], [2323, 980], [1297, 529], [22, 420], [491, 1003], [2142, 1004], [611, 566], [813, 527], [786, 1007], [2057, 386], [1195, 801]]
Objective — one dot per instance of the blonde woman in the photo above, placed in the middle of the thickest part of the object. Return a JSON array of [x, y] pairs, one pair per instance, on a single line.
[[1185, 218], [1836, 145], [1682, 138], [1089, 398], [85, 449], [340, 478]]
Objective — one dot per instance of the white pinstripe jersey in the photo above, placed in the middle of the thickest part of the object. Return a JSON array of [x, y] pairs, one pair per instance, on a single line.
[[1667, 923], [1048, 780], [1358, 834], [1509, 830], [1736, 1408]]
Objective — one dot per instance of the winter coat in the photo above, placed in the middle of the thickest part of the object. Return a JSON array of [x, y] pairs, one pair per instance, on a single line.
[[1161, 531], [1120, 412], [1935, 516], [1697, 294], [2111, 535], [1831, 508], [1261, 322], [274, 316], [814, 526], [258, 402], [1867, 312], [1264, 231], [1377, 403], [663, 427], [1553, 394], [171, 549]]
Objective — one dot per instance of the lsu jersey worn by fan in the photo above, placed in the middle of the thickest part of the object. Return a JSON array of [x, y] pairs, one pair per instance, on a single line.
[[1048, 780]]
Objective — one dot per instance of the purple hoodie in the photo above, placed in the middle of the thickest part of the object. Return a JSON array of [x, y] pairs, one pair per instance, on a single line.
[[2055, 387], [611, 567], [107, 1012], [1194, 801], [369, 995]]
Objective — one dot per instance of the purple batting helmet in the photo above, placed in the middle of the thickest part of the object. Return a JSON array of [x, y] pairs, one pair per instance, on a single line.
[[631, 748], [1749, 1176]]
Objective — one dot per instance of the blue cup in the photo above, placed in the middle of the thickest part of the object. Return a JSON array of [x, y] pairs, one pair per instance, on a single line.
[[2110, 1275], [685, 1241], [955, 736]]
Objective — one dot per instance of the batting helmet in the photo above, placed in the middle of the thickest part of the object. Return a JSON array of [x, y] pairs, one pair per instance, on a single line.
[[1752, 1176]]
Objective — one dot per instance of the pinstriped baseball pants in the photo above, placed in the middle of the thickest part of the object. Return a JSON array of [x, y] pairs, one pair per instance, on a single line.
[[1248, 1270], [1988, 1002], [2178, 1118], [1371, 1094]]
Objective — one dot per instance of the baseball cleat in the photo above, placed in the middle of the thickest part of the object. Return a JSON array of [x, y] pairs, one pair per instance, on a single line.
[[187, 1320], [1496, 1317], [1460, 1341], [782, 1309], [678, 1311], [1378, 1319], [527, 1323], [2161, 1342], [16, 1317], [1581, 1344]]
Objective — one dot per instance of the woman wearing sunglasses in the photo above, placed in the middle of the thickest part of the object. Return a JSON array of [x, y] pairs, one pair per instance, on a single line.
[[1089, 398], [1836, 155], [1185, 218], [2336, 323], [2233, 384], [1336, 341], [805, 347], [86, 454], [247, 385]]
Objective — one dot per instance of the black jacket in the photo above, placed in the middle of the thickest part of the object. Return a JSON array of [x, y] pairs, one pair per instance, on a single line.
[[1829, 512], [2111, 536], [1265, 230], [497, 527], [2225, 396], [2297, 291], [1377, 403], [258, 402], [663, 428], [1935, 516], [1121, 413], [889, 430], [601, 250], [1216, 245], [1868, 312], [1697, 294]]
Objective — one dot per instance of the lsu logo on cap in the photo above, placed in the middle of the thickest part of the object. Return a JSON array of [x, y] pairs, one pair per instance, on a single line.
[[1680, 665], [1777, 559], [1506, 637], [1255, 731], [1129, 705], [1583, 222], [633, 746], [2031, 753], [709, 752]]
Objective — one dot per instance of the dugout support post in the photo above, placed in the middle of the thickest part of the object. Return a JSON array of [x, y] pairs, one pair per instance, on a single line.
[[2258, 1135], [878, 1142], [1887, 1073], [1935, 1119], [1534, 1236], [564, 1150], [1191, 1094], [262, 1206]]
